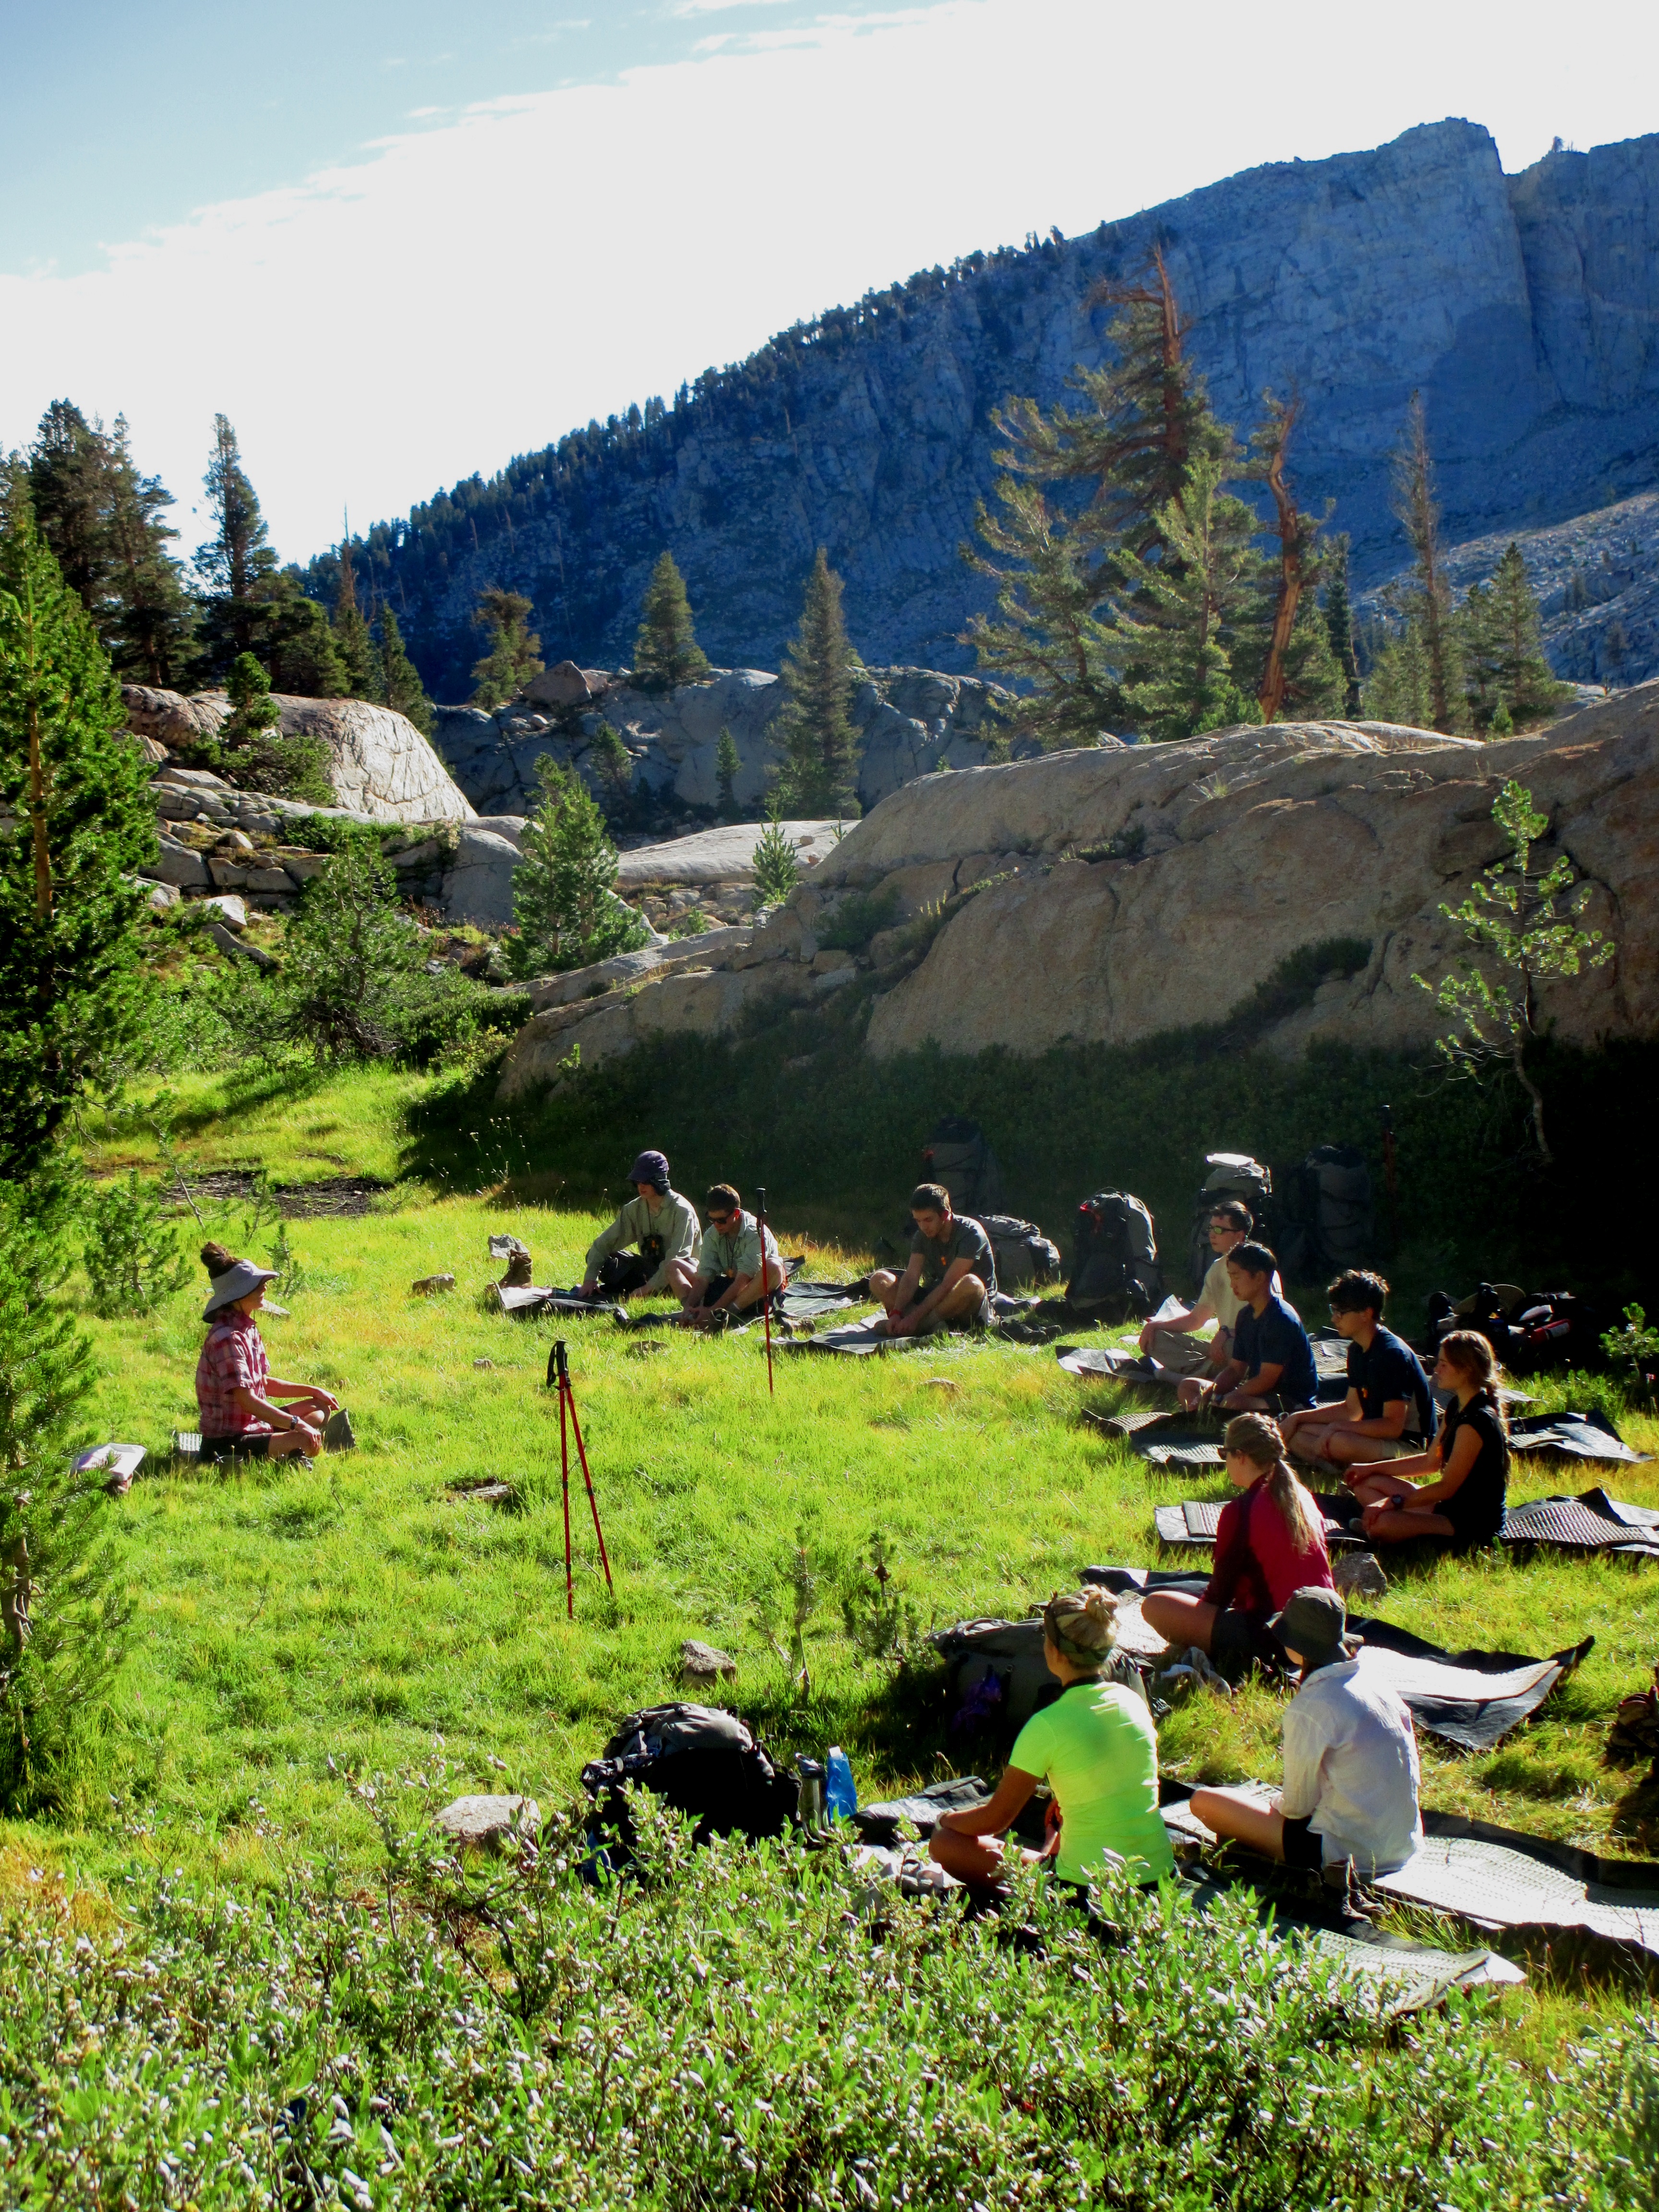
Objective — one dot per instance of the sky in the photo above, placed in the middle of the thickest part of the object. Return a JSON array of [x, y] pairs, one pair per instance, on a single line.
[[396, 243]]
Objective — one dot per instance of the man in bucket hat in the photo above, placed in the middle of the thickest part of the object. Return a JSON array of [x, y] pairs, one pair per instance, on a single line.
[[235, 1386], [665, 1231], [1350, 1772]]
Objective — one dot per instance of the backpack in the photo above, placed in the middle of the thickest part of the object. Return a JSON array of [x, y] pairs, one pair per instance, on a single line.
[[1115, 1267], [1329, 1219], [1529, 1330], [698, 1759], [996, 1676], [1228, 1175], [1024, 1255], [959, 1155]]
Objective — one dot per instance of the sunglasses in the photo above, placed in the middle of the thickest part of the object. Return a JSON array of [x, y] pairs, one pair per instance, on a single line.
[[722, 1220]]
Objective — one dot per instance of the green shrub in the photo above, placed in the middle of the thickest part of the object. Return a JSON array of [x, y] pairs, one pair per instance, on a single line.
[[131, 1252], [754, 2028], [858, 919]]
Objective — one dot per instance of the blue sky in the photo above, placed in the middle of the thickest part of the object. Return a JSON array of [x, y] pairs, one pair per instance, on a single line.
[[119, 115], [395, 243]]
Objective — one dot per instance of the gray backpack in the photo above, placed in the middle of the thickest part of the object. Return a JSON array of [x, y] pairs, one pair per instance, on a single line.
[[1025, 1257]]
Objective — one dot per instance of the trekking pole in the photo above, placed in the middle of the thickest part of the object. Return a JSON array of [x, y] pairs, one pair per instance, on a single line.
[[556, 1375], [568, 1397], [766, 1288]]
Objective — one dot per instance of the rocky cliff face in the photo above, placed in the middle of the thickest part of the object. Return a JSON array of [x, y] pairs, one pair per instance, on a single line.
[[1525, 309], [1116, 893]]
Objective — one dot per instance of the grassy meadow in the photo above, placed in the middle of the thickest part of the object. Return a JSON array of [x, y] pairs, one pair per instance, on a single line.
[[234, 1974]]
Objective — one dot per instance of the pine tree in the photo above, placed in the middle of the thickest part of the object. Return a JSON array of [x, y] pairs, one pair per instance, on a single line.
[[515, 654], [68, 473], [1190, 605], [1057, 564], [356, 646], [75, 995], [665, 651], [253, 752], [1428, 602], [1288, 660], [614, 765], [236, 565], [814, 731], [153, 633], [727, 764], [1339, 624], [1400, 688], [401, 687], [300, 648], [63, 1620], [1530, 687], [564, 888], [776, 863]]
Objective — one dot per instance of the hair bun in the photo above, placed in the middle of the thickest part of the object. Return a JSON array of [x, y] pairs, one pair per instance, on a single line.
[[216, 1260]]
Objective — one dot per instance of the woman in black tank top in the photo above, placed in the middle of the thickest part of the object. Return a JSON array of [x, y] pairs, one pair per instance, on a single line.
[[1467, 1463]]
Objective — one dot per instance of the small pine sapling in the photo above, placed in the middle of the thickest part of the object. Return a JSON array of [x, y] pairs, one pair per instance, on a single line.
[[881, 1623], [665, 651], [777, 865], [1525, 921], [727, 763], [786, 1612], [1632, 1353], [132, 1255]]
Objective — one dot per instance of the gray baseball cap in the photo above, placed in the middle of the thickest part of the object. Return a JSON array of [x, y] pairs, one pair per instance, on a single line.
[[235, 1283], [1313, 1624]]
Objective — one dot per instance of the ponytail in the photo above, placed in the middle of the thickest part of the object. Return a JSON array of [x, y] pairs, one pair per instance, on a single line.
[[1256, 1439]]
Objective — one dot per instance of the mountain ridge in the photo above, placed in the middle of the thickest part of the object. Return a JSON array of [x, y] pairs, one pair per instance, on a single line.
[[1525, 309]]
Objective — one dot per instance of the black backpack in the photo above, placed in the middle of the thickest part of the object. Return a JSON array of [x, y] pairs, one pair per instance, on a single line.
[[1329, 1223], [1228, 1175], [1024, 1255], [959, 1156], [698, 1759], [1529, 1330], [1115, 1270]]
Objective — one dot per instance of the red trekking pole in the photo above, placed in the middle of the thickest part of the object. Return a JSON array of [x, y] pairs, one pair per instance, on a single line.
[[558, 1373], [766, 1288]]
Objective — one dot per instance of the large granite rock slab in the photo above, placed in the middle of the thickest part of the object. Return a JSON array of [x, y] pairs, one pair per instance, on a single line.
[[477, 885], [695, 1000], [381, 766], [723, 855]]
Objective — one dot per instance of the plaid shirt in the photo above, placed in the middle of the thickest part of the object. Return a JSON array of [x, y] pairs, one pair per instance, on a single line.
[[232, 1358]]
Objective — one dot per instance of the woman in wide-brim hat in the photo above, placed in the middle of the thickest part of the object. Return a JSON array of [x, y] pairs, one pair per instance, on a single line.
[[235, 1386]]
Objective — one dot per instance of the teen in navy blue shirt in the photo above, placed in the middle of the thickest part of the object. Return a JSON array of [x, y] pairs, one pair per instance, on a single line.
[[1388, 1407], [1272, 1369]]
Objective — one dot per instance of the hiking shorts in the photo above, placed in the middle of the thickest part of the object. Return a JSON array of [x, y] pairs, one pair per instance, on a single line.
[[257, 1446], [1238, 1642], [1302, 1847]]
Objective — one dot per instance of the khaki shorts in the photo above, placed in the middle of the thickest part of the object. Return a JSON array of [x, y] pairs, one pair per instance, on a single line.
[[1184, 1353]]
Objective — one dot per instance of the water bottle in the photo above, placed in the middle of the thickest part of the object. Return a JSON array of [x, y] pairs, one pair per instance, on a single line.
[[809, 1796], [841, 1797]]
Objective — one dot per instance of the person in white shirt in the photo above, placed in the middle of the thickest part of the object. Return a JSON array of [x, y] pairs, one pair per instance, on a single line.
[[1170, 1340], [1351, 1771]]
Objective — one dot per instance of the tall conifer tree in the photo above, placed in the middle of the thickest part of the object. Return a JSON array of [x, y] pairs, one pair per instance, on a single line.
[[401, 687], [819, 745], [1428, 603], [154, 626], [1339, 624], [515, 654], [361, 663], [665, 651], [1189, 606], [74, 994], [237, 565]]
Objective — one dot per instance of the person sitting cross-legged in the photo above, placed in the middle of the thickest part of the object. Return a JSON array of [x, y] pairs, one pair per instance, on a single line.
[[1468, 1464], [951, 1276], [730, 1276], [1095, 1746], [1272, 1367], [1269, 1544], [235, 1386], [1388, 1407], [1171, 1341], [1351, 1769], [660, 1224]]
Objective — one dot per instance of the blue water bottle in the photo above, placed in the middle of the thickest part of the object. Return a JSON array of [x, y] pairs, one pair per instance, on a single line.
[[841, 1797]]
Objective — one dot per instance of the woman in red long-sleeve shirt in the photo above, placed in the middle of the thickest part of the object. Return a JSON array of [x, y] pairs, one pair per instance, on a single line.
[[1269, 1544]]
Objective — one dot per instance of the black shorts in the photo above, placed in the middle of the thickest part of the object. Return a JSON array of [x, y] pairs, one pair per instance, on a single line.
[[1302, 1847], [1240, 1641], [716, 1287], [218, 1448]]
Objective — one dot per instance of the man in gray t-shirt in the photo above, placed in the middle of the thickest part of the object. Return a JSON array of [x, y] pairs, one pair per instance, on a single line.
[[952, 1274]]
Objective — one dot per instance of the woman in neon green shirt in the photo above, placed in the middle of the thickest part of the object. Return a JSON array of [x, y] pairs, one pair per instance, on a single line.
[[1097, 1748]]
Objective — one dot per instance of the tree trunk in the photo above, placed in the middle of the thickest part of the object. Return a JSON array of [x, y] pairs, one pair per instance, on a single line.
[[1289, 524], [1517, 1060], [38, 785]]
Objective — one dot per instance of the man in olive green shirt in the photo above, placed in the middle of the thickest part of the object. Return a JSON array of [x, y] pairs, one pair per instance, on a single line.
[[953, 1274], [729, 1276], [661, 1225]]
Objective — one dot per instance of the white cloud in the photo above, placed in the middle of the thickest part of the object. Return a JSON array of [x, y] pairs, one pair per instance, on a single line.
[[476, 287]]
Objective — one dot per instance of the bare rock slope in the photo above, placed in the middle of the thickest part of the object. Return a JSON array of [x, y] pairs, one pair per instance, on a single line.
[[1129, 891]]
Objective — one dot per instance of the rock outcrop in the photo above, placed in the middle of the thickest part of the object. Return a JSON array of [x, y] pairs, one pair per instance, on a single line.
[[909, 722], [1525, 309], [381, 766], [1597, 581], [1123, 892]]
